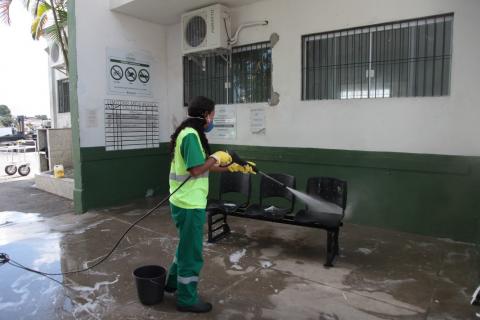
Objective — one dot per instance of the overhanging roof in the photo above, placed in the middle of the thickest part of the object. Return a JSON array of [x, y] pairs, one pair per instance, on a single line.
[[166, 11]]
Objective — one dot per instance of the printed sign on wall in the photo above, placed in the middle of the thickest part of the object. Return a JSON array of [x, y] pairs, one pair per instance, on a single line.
[[131, 125], [225, 123], [257, 121], [128, 73]]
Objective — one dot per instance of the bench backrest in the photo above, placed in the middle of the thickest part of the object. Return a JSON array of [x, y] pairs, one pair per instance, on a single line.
[[235, 182], [270, 189], [331, 189]]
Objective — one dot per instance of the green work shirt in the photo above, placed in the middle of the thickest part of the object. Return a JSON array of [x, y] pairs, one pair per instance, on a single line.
[[192, 151]]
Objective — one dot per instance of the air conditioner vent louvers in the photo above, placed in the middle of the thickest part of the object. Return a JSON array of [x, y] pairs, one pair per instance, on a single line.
[[55, 57], [205, 30], [196, 31], [54, 53]]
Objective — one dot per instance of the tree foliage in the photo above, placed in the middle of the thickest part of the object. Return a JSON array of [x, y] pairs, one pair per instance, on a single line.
[[5, 111], [49, 20], [6, 119]]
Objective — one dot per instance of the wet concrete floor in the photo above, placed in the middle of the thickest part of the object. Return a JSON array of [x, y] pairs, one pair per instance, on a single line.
[[261, 271]]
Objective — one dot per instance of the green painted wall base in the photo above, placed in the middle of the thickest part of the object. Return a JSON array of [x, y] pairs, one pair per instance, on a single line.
[[115, 177], [426, 194]]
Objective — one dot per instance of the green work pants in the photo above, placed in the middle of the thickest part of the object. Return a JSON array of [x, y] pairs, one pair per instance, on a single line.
[[188, 261]]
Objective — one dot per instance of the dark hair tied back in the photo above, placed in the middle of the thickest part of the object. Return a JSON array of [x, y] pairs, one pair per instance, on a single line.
[[197, 107]]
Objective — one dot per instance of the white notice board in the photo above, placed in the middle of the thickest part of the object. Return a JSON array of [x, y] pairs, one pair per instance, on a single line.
[[257, 121], [131, 125], [129, 73], [225, 123]]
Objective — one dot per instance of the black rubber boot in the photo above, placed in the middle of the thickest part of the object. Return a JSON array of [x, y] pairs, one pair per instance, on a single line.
[[199, 307]]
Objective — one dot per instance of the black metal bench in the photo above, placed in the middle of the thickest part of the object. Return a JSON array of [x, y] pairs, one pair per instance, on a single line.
[[330, 189]]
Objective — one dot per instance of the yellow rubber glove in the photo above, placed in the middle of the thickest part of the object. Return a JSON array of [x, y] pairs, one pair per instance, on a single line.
[[222, 158], [235, 167], [246, 169]]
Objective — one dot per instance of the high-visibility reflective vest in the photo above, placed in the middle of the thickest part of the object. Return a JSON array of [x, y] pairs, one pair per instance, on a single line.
[[193, 194]]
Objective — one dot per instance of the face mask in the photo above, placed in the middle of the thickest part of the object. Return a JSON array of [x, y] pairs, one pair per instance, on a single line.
[[210, 126]]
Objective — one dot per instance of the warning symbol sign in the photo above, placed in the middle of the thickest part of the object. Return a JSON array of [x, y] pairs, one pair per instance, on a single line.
[[116, 72], [143, 76], [128, 73]]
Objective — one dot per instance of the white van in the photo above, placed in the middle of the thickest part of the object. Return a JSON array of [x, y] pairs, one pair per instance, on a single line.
[[6, 131]]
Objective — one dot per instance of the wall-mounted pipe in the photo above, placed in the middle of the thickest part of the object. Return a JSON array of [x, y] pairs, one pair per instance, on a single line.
[[234, 39]]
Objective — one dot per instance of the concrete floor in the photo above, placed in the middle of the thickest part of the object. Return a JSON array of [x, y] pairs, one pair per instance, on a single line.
[[262, 271]]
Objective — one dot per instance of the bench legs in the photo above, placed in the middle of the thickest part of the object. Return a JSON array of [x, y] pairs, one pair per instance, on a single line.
[[218, 227], [332, 246]]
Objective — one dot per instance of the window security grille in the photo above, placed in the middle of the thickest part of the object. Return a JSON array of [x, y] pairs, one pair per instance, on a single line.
[[409, 58], [208, 81], [63, 96], [251, 73], [248, 80]]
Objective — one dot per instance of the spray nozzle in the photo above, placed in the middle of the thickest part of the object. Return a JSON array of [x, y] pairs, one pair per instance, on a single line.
[[236, 159]]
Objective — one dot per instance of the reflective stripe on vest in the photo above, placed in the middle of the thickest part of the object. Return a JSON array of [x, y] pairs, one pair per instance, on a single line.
[[187, 280], [193, 194], [181, 178]]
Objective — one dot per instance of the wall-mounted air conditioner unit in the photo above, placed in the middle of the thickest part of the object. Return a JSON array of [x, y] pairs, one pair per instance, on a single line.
[[55, 56], [205, 29]]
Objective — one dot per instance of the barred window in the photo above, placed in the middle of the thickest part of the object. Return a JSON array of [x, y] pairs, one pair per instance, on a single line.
[[252, 73], [63, 96], [409, 58], [247, 81]]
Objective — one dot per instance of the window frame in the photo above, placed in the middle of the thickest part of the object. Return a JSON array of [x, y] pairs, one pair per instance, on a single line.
[[63, 96]]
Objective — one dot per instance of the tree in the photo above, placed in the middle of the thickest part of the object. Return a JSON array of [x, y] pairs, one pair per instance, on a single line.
[[43, 12], [6, 119], [41, 117]]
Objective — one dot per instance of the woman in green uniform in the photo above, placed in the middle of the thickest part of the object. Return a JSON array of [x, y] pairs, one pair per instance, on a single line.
[[191, 157]]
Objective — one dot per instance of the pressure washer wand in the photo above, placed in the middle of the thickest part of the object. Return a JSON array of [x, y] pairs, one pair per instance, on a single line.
[[240, 161], [269, 177]]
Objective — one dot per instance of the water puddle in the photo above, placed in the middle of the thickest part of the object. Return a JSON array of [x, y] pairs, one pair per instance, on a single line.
[[29, 240], [25, 293]]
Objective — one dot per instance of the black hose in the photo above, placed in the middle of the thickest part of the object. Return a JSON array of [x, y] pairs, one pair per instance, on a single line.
[[4, 258]]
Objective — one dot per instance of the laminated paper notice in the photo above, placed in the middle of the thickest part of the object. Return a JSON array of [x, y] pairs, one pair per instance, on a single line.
[[257, 121], [129, 73], [225, 123]]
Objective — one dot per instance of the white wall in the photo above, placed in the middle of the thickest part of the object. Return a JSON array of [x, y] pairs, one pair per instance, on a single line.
[[98, 29], [438, 125]]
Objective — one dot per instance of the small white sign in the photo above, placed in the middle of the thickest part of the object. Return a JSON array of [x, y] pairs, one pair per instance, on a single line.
[[129, 73], [92, 119], [257, 121], [225, 123]]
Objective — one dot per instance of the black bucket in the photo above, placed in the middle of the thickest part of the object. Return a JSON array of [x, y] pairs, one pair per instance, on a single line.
[[150, 282]]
